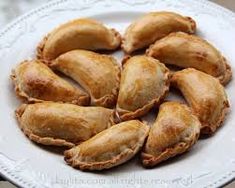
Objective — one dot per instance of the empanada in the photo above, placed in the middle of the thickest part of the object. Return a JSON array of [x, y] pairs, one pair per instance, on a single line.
[[61, 124], [78, 34], [153, 26], [109, 148], [98, 74], [175, 131], [187, 51], [144, 83], [205, 95], [35, 82]]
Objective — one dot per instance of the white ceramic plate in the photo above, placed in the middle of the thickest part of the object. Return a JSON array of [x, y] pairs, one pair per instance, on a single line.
[[211, 162]]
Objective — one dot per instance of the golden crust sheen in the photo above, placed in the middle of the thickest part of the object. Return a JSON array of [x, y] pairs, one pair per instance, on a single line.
[[153, 26], [175, 131], [205, 95], [61, 124], [78, 34], [35, 82], [144, 83], [190, 51], [109, 148], [98, 74]]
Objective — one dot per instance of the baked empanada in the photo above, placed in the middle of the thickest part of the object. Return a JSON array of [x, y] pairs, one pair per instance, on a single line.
[[153, 26], [61, 124], [144, 83], [109, 148], [184, 50], [35, 82], [78, 34], [175, 131], [205, 95], [98, 74]]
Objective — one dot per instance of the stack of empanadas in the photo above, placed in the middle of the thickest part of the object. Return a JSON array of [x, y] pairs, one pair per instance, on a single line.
[[98, 114]]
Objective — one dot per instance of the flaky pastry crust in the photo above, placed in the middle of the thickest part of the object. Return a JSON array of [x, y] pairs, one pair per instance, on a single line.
[[98, 74], [190, 51], [144, 84], [35, 82], [205, 95], [109, 148], [60, 124], [175, 131], [81, 33], [153, 26]]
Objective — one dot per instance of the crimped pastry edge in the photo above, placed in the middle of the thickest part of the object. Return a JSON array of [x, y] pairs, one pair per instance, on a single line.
[[149, 160], [224, 78], [206, 128], [133, 49], [41, 140], [128, 115], [42, 43], [49, 140], [82, 100], [115, 161]]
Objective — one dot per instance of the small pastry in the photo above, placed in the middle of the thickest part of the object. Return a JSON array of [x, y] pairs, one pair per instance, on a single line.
[[153, 26], [59, 124], [184, 50], [98, 74], [174, 132], [205, 95], [35, 82], [83, 33], [109, 148], [144, 83]]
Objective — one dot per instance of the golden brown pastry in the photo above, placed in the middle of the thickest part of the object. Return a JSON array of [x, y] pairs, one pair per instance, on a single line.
[[205, 95], [98, 74], [35, 82], [109, 148], [153, 26], [144, 83], [174, 132], [184, 50], [78, 34], [61, 124]]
